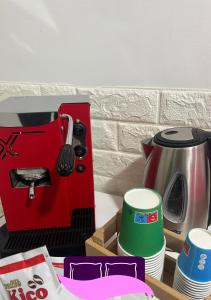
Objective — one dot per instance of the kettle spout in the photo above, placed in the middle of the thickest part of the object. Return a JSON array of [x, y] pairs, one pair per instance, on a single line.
[[147, 146]]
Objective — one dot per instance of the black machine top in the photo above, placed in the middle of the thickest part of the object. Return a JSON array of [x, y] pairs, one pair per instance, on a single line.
[[181, 137]]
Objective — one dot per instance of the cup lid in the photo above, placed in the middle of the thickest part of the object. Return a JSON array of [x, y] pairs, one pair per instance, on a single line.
[[180, 137]]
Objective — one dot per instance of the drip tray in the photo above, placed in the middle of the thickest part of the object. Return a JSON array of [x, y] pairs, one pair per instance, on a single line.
[[59, 241]]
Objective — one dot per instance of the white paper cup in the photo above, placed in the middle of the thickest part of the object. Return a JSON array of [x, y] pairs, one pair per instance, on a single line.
[[192, 294], [157, 271], [178, 272], [153, 265], [159, 258], [195, 257], [192, 289], [154, 270], [185, 286], [154, 261], [157, 263], [157, 276]]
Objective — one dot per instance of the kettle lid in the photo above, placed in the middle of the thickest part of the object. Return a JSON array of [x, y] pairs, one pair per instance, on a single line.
[[181, 137]]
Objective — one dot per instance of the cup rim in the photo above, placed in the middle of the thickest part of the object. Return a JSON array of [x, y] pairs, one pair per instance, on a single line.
[[153, 259], [155, 266], [153, 270], [158, 271], [121, 252], [189, 279], [155, 275], [188, 285], [191, 292], [143, 188], [152, 263]]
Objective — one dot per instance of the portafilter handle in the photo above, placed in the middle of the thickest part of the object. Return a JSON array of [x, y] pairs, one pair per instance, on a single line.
[[31, 190], [65, 163]]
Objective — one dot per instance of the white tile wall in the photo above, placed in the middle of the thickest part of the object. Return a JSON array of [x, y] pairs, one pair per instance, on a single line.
[[186, 108], [121, 118]]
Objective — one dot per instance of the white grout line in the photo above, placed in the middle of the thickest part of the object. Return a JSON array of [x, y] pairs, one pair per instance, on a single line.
[[158, 88]]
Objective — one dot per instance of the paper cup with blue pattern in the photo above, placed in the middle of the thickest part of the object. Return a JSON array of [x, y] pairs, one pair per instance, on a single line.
[[195, 259], [141, 231]]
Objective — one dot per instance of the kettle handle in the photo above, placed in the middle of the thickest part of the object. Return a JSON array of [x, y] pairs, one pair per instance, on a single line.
[[66, 159], [147, 146]]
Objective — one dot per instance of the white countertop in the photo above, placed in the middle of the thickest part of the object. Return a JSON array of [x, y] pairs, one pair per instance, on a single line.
[[106, 206]]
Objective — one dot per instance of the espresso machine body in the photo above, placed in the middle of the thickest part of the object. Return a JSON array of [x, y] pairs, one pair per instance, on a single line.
[[46, 162], [178, 167]]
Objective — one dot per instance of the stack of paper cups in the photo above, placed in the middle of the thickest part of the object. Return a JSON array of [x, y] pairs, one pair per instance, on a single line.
[[193, 271], [141, 231], [153, 265]]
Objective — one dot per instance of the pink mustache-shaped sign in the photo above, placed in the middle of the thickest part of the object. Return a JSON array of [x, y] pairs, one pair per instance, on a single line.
[[105, 287]]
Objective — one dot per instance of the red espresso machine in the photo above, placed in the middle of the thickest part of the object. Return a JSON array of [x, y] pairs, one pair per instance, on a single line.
[[46, 174]]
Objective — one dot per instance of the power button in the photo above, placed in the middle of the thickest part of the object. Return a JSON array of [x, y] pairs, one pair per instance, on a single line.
[[80, 168]]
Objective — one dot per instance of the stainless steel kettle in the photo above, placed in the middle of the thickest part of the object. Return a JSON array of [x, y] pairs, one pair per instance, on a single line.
[[178, 167]]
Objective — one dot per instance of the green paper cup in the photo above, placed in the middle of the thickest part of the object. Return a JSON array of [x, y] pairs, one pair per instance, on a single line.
[[141, 231]]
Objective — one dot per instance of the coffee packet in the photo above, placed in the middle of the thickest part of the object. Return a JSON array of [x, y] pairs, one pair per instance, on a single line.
[[30, 275], [58, 264]]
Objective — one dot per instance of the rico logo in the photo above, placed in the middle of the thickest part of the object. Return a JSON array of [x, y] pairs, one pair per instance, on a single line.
[[35, 294]]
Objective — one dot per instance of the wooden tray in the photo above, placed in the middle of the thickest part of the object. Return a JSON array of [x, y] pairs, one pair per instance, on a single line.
[[104, 243]]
